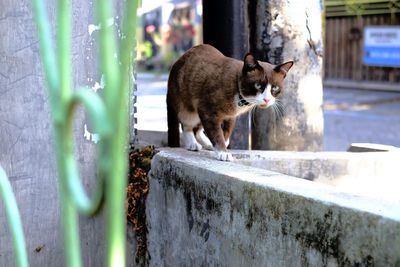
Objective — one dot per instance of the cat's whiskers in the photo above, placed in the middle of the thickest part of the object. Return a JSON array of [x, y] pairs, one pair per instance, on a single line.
[[253, 112], [280, 107], [278, 110], [276, 113]]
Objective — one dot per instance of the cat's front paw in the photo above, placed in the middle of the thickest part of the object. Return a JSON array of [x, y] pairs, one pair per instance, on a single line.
[[224, 156]]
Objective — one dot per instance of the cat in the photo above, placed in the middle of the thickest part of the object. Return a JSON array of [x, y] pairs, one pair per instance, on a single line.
[[208, 90]]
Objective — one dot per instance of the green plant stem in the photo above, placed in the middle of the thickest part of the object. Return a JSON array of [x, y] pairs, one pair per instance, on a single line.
[[69, 211], [47, 53], [110, 121], [14, 220]]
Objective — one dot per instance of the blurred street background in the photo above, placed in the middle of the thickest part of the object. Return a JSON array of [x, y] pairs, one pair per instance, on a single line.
[[361, 66]]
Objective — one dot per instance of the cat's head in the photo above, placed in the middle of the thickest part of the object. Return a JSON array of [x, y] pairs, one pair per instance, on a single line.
[[262, 82]]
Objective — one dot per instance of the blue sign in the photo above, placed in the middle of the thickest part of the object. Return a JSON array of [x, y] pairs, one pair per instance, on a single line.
[[382, 46]]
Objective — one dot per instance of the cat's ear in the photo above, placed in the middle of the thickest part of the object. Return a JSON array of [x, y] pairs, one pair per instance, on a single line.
[[250, 63], [285, 67]]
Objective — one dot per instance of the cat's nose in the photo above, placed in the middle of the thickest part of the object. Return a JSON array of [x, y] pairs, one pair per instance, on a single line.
[[266, 101]]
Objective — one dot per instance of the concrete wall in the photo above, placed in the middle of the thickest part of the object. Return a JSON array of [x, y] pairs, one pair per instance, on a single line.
[[204, 212], [26, 133]]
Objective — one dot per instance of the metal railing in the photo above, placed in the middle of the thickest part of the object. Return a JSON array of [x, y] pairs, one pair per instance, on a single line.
[[110, 120], [344, 8]]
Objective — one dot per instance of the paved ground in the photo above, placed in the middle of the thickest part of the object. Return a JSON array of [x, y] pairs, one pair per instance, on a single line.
[[360, 116], [151, 102], [351, 116]]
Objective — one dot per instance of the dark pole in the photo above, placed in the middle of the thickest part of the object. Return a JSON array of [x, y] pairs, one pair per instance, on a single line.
[[225, 28]]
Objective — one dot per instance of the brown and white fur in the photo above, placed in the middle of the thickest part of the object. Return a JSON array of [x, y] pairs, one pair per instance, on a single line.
[[205, 89]]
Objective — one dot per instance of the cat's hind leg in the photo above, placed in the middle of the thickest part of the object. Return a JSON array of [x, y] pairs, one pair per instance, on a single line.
[[202, 138], [189, 122], [190, 141]]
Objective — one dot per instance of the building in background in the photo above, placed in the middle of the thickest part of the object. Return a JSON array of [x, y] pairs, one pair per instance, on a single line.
[[168, 29], [362, 44]]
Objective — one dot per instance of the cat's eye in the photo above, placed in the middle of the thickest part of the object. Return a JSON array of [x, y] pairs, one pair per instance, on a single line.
[[275, 88], [257, 86]]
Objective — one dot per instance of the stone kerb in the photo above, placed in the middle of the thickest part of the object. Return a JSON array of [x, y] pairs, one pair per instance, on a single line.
[[373, 174], [201, 211]]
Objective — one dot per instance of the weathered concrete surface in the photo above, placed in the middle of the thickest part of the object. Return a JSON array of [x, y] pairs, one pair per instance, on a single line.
[[157, 138], [203, 212], [374, 174], [368, 147]]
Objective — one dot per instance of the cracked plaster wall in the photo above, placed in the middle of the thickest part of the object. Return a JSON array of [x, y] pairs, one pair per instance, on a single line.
[[281, 31], [26, 132]]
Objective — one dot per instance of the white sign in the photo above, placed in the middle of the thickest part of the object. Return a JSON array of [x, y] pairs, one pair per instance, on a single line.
[[382, 36], [382, 46]]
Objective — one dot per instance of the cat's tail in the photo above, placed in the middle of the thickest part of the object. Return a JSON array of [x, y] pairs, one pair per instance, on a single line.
[[173, 126]]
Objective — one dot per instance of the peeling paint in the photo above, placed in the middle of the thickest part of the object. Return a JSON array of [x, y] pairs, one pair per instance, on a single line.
[[91, 136], [100, 85], [95, 138], [110, 22], [315, 47], [92, 28]]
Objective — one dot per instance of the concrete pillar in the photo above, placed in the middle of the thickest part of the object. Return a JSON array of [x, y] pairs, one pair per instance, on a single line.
[[281, 31], [225, 27], [26, 133]]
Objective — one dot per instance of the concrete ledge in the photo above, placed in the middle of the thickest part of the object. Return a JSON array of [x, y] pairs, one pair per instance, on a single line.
[[368, 85], [374, 174], [157, 138], [204, 212], [369, 147]]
